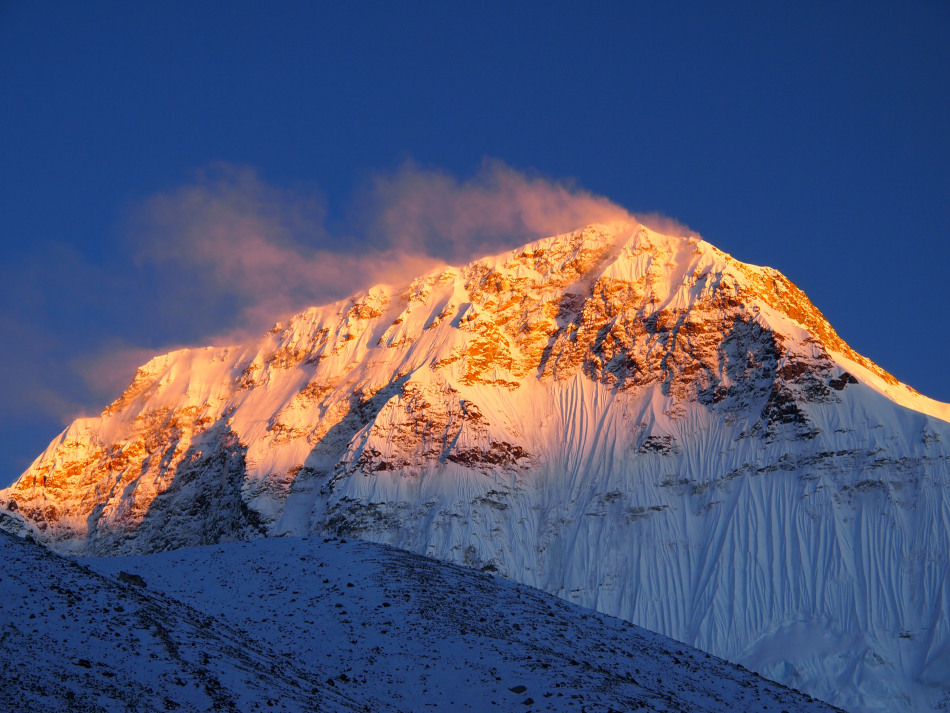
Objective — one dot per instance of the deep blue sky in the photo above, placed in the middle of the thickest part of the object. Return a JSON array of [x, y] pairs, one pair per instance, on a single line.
[[812, 137]]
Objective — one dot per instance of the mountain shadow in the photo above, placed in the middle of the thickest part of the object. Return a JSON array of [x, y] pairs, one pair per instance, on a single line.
[[201, 506]]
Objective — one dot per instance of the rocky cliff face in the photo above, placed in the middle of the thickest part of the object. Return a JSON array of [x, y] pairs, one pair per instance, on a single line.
[[635, 422]]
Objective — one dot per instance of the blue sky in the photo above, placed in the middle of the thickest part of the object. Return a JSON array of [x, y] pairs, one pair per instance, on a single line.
[[812, 137]]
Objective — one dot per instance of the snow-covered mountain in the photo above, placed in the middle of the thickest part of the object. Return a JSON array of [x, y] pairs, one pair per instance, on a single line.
[[303, 625], [634, 422]]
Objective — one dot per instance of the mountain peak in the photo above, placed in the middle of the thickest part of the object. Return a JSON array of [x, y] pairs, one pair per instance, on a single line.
[[633, 421]]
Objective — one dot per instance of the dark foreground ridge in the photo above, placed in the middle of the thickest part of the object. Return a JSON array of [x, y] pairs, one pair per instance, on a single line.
[[309, 625]]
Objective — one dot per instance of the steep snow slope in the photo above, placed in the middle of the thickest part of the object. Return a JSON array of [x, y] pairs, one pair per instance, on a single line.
[[635, 422], [298, 625]]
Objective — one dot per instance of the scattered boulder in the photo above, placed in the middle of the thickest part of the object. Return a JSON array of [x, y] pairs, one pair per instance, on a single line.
[[129, 578]]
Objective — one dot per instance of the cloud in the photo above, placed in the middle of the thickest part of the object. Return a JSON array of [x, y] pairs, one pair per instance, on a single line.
[[499, 208], [249, 253], [231, 249], [108, 371]]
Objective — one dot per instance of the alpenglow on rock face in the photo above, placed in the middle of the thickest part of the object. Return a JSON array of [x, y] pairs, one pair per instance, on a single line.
[[635, 422]]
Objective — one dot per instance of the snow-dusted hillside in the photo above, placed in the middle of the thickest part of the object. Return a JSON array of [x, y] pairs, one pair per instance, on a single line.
[[635, 422], [73, 640], [298, 625]]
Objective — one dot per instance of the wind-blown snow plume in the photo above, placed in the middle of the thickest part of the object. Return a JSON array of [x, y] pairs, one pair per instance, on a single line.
[[270, 251], [498, 208], [665, 224], [264, 248], [248, 253]]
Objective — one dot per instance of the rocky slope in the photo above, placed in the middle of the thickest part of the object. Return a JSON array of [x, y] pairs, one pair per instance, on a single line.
[[635, 422], [74, 640], [298, 625]]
